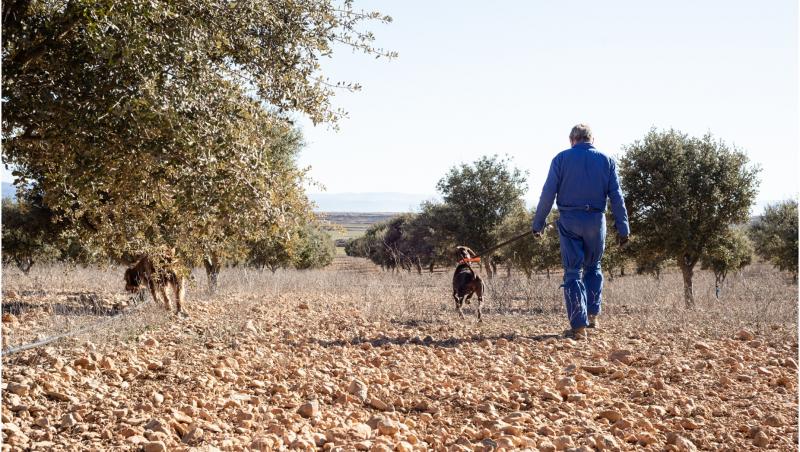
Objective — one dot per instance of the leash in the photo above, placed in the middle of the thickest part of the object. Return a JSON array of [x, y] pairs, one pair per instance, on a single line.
[[498, 246], [507, 242]]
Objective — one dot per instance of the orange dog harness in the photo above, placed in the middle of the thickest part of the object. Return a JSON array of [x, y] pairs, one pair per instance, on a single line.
[[468, 260]]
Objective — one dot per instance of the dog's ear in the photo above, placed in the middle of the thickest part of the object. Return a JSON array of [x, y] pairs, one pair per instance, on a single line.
[[464, 252]]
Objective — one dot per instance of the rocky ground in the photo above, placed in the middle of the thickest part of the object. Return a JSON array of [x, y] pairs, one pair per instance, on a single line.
[[309, 369]]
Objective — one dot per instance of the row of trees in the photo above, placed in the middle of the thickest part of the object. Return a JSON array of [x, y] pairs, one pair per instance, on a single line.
[[30, 236], [477, 198], [139, 125], [688, 200]]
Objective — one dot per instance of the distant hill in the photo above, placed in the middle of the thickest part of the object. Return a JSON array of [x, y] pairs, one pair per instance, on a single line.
[[369, 202]]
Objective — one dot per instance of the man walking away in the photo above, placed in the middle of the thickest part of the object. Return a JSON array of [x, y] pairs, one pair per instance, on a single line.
[[580, 180]]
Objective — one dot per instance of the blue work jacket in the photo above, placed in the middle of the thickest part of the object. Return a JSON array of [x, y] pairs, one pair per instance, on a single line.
[[582, 178]]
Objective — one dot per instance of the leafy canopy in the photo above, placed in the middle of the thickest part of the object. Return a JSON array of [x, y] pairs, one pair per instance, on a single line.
[[27, 234], [482, 194], [529, 254], [731, 252], [144, 124], [683, 193], [775, 236]]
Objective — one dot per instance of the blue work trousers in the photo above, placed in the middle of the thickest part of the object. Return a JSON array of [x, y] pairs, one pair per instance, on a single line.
[[582, 235]]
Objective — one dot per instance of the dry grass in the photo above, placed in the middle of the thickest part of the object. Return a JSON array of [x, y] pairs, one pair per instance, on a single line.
[[278, 341], [56, 298], [758, 298]]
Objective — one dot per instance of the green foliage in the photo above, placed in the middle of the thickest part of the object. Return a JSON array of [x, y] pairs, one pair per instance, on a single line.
[[648, 262], [477, 199], [28, 233], [481, 195], [731, 251], [614, 257], [307, 246], [163, 124], [530, 254], [682, 194], [373, 245], [775, 236], [315, 248], [357, 247], [272, 252], [431, 234]]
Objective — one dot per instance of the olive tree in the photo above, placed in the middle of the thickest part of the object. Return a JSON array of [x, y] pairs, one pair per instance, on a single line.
[[615, 257], [357, 247], [517, 254], [775, 236], [315, 248], [529, 254], [732, 251], [683, 192], [482, 194], [145, 124], [435, 227], [273, 251], [27, 234]]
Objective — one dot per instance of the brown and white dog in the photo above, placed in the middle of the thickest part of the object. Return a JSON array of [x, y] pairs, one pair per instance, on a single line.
[[466, 282], [144, 273]]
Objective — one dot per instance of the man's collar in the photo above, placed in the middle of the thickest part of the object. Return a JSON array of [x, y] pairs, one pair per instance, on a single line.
[[583, 144]]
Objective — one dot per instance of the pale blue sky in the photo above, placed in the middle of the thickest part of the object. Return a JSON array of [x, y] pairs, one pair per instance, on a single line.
[[477, 78]]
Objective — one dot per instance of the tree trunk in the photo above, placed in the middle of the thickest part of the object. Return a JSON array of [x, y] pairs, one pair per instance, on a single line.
[[508, 270], [430, 268], [212, 265], [719, 278], [548, 272], [488, 267], [688, 292], [418, 264], [24, 264]]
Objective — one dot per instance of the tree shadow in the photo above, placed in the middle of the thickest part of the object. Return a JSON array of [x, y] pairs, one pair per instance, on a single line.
[[429, 341], [78, 304]]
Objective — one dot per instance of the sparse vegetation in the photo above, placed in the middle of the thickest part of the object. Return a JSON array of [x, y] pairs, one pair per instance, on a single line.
[[775, 236]]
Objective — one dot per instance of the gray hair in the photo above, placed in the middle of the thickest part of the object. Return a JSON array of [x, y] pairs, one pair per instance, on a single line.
[[581, 133]]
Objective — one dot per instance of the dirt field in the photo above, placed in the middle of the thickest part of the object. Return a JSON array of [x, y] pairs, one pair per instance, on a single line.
[[352, 358]]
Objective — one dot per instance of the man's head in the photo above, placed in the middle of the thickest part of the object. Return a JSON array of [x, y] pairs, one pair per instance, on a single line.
[[580, 134]]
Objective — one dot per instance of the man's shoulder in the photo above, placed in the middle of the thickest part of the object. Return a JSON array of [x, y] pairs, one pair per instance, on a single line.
[[603, 154], [563, 153], [576, 150]]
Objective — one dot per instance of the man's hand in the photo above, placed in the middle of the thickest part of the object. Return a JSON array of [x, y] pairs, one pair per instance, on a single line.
[[538, 234], [622, 241]]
